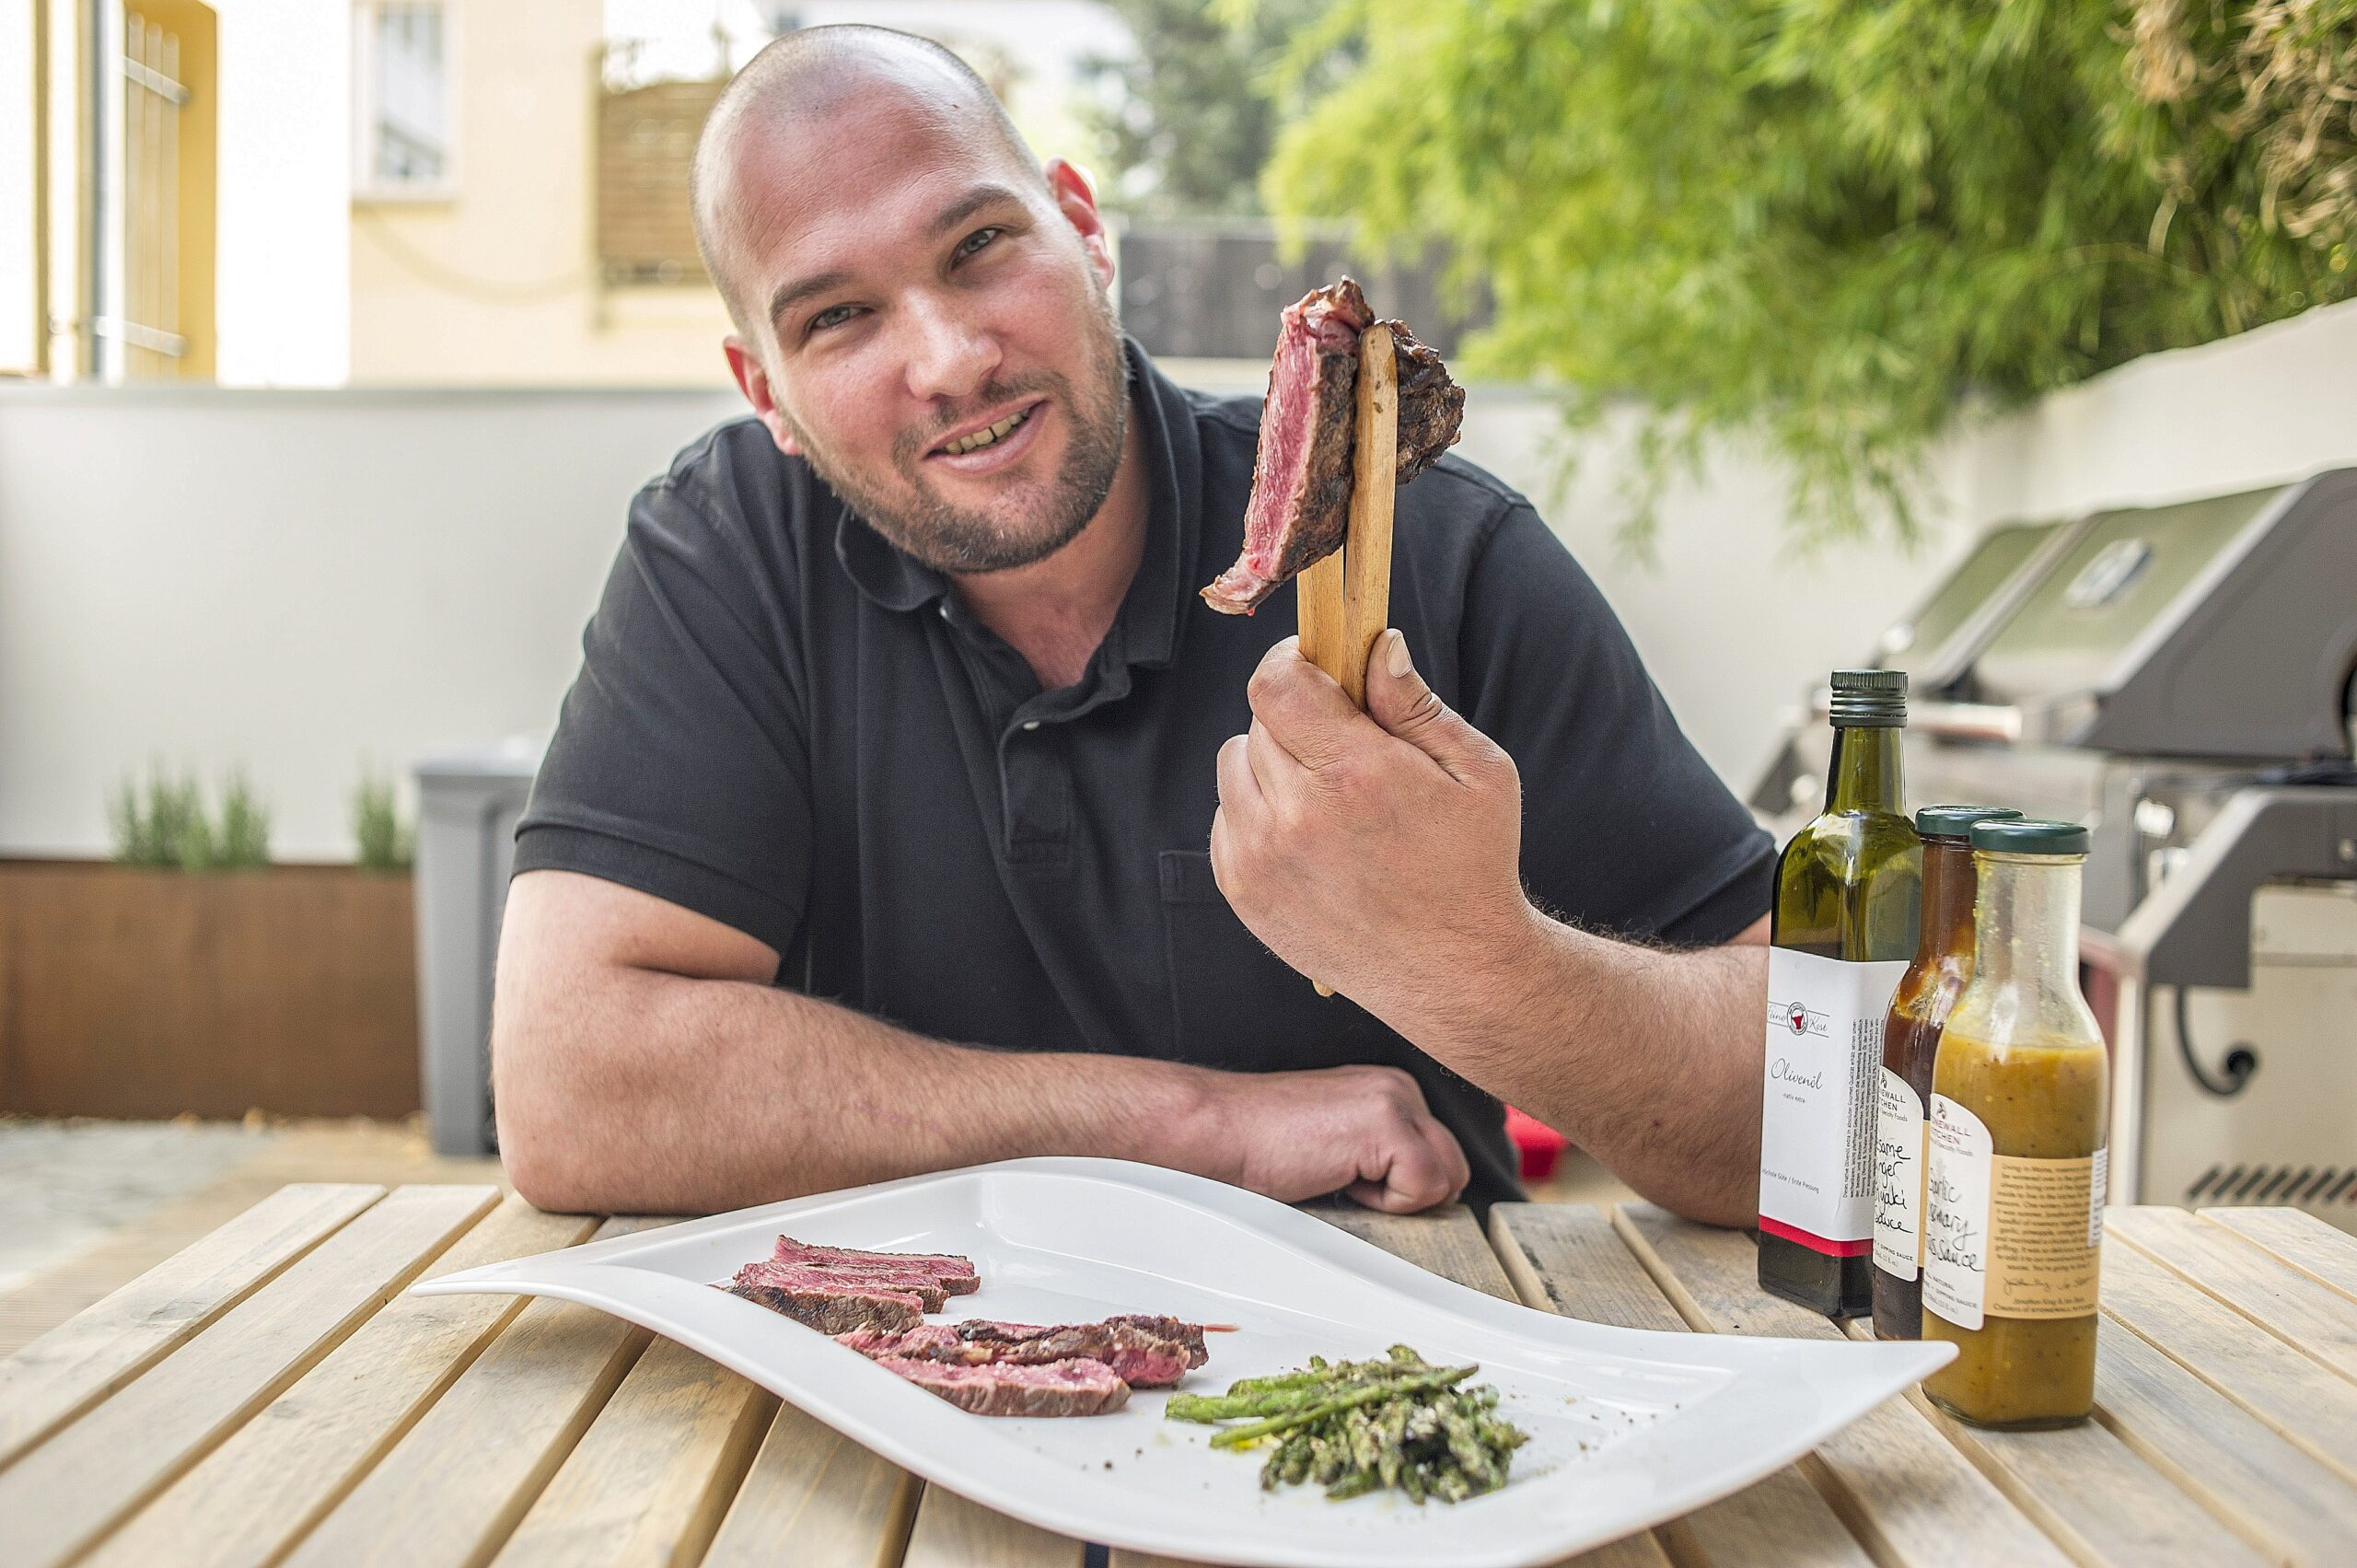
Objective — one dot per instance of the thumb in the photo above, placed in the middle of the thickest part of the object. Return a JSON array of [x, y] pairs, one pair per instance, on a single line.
[[1398, 699]]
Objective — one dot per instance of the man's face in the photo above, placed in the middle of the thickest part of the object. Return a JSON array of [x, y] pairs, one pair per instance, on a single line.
[[918, 288]]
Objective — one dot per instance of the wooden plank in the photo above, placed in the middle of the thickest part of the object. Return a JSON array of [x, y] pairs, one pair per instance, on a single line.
[[455, 1485], [2288, 1506], [650, 1479], [1447, 1241], [1566, 1257], [2304, 1312], [2214, 1341], [2298, 1238], [276, 1476], [814, 1497], [952, 1532], [83, 1360], [70, 1490], [1906, 1491]]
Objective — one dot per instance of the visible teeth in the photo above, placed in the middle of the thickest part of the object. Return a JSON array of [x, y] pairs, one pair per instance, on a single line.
[[981, 438]]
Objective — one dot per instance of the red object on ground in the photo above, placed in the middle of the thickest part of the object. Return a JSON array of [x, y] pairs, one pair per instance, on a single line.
[[1539, 1145]]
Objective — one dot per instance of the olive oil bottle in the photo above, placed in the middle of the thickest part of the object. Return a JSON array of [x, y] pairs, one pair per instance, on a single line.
[[1847, 912]]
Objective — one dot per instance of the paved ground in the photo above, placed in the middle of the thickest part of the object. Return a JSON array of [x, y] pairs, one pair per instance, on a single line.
[[86, 1206]]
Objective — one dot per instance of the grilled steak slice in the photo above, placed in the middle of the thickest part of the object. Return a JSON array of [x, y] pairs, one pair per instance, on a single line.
[[1301, 478], [953, 1273], [1191, 1335], [788, 1276], [1138, 1357], [835, 1311], [1060, 1387]]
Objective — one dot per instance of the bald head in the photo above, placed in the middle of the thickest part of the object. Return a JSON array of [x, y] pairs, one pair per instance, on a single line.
[[790, 89]]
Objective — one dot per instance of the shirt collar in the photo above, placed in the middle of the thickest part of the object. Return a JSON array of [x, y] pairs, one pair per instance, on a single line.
[[1152, 610]]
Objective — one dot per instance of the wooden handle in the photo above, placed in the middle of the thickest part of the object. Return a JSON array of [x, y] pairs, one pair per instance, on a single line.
[[1344, 601]]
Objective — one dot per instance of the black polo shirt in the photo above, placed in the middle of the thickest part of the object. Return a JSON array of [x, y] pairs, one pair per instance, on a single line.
[[783, 722]]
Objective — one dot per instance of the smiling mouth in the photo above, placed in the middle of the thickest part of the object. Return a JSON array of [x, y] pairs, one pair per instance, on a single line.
[[989, 436]]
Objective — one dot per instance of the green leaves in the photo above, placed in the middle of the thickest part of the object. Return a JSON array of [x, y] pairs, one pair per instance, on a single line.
[[1828, 226], [166, 824], [385, 843]]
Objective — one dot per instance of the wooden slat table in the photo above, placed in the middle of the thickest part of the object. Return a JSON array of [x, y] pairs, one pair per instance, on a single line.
[[271, 1395]]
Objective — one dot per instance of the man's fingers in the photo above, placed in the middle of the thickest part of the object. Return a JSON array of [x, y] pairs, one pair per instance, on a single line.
[[1398, 699], [1238, 789], [1304, 709], [1274, 768]]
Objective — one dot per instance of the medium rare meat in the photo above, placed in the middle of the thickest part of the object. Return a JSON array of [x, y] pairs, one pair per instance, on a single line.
[[953, 1273], [1188, 1334], [1301, 479], [1138, 1356], [1060, 1387], [788, 1276], [836, 1310]]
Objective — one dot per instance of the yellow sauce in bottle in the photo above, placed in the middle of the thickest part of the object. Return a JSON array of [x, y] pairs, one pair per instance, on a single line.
[[2040, 1102]]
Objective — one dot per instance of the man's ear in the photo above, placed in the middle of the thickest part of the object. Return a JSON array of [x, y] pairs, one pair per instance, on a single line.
[[754, 382], [1074, 198]]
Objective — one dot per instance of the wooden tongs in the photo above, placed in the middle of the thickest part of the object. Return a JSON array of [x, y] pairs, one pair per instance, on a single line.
[[1344, 600]]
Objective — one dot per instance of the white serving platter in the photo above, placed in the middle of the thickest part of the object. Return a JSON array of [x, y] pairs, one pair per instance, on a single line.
[[1628, 1428]]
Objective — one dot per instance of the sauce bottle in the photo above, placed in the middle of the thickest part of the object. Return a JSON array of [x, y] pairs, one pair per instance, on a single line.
[[1844, 927], [2013, 1211], [1919, 1012]]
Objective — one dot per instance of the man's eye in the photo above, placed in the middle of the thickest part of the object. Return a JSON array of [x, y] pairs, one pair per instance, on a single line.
[[976, 241], [834, 316]]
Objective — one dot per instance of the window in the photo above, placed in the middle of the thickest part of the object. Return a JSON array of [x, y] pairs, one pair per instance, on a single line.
[[403, 94]]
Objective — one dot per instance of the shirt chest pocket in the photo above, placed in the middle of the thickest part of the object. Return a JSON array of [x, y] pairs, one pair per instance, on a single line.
[[1234, 1004]]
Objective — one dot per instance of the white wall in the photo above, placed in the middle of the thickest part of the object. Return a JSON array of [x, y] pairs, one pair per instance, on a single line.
[[291, 580]]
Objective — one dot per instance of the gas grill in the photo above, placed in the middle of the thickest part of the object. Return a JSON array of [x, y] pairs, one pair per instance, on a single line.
[[2182, 680]]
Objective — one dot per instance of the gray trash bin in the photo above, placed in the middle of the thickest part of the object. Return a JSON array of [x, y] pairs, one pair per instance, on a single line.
[[468, 801]]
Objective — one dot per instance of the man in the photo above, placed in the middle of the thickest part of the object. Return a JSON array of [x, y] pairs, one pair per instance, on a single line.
[[899, 819]]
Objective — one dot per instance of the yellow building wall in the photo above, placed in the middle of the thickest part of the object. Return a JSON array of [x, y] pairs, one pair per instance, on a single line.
[[498, 283]]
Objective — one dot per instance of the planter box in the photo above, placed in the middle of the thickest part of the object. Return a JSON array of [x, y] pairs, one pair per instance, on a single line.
[[130, 992]]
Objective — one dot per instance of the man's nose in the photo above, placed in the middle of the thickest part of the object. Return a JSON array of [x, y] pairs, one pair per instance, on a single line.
[[949, 356]]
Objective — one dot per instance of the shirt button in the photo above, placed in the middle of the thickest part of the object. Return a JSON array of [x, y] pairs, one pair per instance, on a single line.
[[1031, 724], [944, 608]]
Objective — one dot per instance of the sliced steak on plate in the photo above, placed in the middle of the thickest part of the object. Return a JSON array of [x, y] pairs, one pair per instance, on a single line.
[[955, 1274], [789, 1276], [836, 1310], [1139, 1357], [1060, 1387]]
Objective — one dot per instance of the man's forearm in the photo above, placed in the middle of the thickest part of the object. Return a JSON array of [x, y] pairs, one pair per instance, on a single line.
[[1647, 1058], [676, 1095]]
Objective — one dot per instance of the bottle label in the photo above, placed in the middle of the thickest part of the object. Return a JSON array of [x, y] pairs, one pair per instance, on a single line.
[[1899, 1180], [1955, 1214], [1819, 1116], [2007, 1237]]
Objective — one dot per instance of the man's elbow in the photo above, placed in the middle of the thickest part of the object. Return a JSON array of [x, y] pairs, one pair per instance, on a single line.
[[545, 1144]]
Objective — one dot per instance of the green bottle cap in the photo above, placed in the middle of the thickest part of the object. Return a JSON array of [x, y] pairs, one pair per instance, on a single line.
[[1868, 697], [2029, 836], [1956, 821]]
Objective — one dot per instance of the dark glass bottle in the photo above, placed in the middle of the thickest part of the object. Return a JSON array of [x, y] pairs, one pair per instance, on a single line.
[[1844, 927], [1910, 1044]]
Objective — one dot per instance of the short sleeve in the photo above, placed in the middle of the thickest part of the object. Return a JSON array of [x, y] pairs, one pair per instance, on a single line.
[[679, 766], [1626, 829]]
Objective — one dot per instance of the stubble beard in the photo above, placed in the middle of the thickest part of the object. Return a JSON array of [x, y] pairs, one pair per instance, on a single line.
[[949, 537]]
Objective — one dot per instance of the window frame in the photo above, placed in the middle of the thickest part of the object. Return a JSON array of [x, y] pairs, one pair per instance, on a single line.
[[366, 186]]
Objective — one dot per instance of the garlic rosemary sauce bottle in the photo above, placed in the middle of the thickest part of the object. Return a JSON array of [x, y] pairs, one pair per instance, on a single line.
[[2017, 1159]]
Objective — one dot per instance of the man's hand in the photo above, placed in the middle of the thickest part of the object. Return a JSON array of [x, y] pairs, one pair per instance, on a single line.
[[1364, 1130], [1377, 852]]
